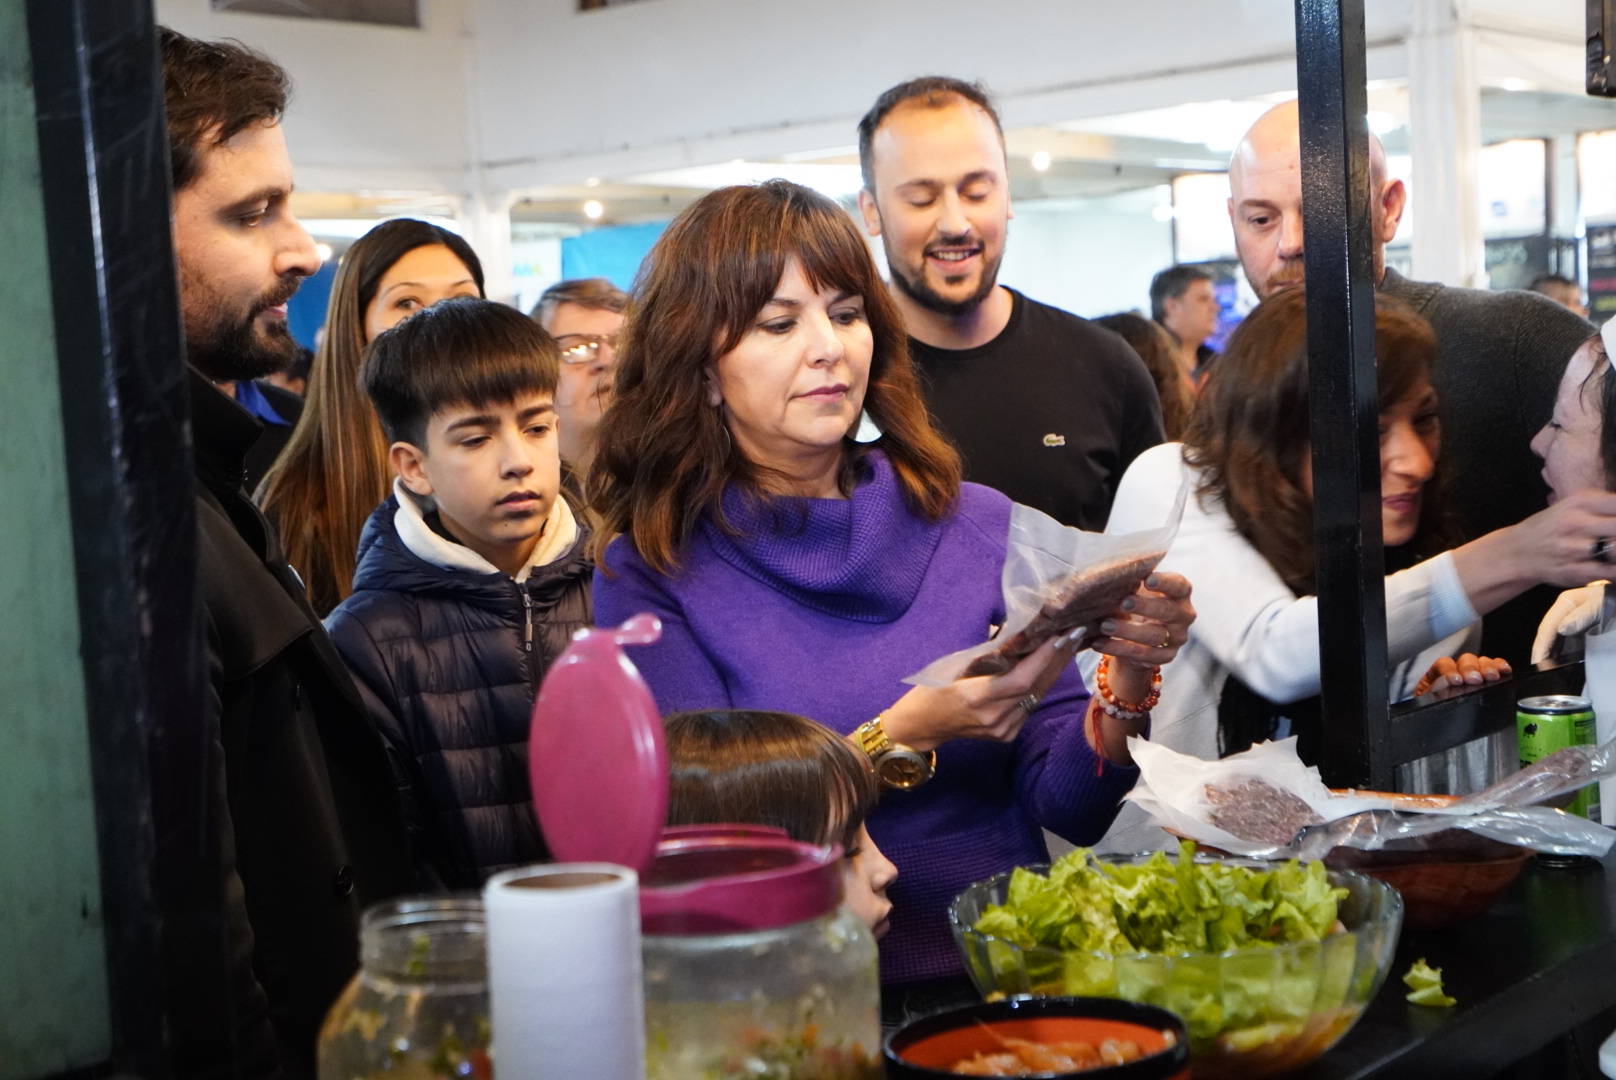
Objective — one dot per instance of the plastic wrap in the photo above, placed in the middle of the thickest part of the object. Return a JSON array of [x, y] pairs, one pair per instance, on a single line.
[[1173, 789], [1057, 580]]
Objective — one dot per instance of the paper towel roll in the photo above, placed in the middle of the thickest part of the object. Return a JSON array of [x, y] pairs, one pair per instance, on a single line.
[[1599, 662], [564, 973]]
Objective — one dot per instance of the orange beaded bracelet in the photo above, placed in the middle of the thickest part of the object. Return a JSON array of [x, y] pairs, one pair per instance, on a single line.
[[1115, 706]]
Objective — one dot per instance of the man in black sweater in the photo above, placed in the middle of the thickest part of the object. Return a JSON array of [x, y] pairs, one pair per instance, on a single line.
[[1500, 361], [1045, 406], [304, 824]]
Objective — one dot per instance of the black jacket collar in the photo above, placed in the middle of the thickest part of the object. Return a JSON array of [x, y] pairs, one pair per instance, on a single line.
[[221, 434]]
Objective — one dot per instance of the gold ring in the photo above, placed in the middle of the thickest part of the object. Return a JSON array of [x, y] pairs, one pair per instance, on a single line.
[[1167, 637]]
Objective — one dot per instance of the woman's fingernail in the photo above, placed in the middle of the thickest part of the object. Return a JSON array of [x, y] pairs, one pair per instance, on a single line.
[[1128, 604], [1151, 582], [1108, 627], [1076, 635]]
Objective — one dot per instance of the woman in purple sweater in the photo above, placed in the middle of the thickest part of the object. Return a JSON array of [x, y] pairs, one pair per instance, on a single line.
[[803, 561]]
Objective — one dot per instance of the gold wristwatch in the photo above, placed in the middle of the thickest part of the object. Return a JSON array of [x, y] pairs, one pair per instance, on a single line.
[[896, 765]]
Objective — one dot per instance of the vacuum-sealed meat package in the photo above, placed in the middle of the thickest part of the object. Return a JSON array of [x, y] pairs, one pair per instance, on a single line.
[[1057, 580]]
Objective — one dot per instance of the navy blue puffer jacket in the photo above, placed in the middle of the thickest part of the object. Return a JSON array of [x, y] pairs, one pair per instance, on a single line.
[[449, 662]]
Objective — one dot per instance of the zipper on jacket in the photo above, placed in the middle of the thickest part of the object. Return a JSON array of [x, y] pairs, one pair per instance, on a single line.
[[527, 618]]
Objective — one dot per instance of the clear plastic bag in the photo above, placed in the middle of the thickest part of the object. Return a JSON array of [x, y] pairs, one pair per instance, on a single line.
[[1173, 789], [1057, 580], [1540, 828]]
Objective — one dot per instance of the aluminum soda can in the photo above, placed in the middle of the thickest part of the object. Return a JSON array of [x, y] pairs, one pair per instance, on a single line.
[[1546, 724]]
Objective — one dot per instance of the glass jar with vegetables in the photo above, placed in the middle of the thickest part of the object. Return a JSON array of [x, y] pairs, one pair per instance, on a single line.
[[418, 1009], [752, 967]]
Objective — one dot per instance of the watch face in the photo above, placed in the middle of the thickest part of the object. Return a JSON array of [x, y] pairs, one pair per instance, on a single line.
[[904, 769]]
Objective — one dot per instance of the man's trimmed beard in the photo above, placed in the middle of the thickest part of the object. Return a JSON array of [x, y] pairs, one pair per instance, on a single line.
[[1290, 273], [923, 294], [227, 346]]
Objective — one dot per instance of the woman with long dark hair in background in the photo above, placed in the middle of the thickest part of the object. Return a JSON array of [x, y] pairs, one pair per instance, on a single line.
[[335, 470]]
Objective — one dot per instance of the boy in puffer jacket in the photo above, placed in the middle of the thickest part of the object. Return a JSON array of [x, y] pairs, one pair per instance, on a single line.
[[471, 579]]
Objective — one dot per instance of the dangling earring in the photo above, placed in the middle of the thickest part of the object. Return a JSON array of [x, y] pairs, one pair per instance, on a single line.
[[868, 431]]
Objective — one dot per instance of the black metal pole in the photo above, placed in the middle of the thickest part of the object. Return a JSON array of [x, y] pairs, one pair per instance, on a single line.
[[103, 152], [1343, 394]]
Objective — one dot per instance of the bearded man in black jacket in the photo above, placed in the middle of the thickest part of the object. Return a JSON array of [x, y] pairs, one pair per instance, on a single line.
[[306, 822]]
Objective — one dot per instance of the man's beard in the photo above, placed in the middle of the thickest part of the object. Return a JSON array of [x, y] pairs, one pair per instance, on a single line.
[[228, 346], [917, 289], [1289, 273]]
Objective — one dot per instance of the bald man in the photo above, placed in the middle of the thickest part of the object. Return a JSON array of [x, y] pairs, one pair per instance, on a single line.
[[1501, 353]]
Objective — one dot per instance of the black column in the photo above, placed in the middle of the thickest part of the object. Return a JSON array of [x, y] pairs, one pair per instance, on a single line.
[[104, 165], [1343, 391]]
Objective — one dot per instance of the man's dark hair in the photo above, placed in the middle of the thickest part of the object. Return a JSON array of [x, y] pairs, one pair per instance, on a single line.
[[1545, 283], [934, 92], [214, 90], [595, 293], [1170, 285], [463, 351]]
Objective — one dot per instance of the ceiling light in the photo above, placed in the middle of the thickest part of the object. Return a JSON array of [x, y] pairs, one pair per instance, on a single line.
[[593, 181], [1040, 160], [324, 251], [593, 210], [1163, 212]]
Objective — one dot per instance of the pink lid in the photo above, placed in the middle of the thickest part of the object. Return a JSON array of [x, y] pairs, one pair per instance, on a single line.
[[717, 883], [599, 766], [596, 754]]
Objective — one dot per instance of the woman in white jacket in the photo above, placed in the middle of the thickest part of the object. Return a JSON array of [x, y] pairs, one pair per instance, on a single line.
[[1250, 669]]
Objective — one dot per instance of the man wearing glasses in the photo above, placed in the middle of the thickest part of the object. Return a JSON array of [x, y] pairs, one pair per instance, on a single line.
[[584, 316]]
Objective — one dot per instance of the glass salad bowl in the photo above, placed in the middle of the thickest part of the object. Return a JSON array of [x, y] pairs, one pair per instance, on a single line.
[[1255, 1010]]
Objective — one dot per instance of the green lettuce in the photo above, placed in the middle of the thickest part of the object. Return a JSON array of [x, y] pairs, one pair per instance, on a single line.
[[1159, 927]]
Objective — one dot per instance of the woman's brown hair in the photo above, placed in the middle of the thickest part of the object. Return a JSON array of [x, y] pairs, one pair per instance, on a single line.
[[1250, 434], [334, 471], [664, 454], [747, 767], [1599, 372]]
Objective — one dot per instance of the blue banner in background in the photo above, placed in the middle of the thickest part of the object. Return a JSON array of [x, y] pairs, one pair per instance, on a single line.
[[613, 253], [305, 312]]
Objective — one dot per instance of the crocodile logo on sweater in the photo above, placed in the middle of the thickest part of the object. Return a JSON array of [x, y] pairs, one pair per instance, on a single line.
[[1054, 440]]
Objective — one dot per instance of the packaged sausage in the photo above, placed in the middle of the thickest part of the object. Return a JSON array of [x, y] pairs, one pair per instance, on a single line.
[[1057, 580]]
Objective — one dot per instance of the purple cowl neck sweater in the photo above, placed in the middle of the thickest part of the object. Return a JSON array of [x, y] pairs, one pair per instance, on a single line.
[[821, 607]]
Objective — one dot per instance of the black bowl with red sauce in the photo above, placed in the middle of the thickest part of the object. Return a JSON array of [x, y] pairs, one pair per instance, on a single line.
[[932, 1046]]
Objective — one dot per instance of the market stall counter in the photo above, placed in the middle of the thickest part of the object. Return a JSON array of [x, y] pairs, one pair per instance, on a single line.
[[1537, 965]]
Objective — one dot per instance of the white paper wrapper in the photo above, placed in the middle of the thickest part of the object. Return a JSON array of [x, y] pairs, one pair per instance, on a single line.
[[564, 975], [1172, 788]]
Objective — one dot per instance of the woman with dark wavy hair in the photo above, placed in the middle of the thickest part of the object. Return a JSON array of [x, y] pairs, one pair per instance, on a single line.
[[1250, 670], [780, 500]]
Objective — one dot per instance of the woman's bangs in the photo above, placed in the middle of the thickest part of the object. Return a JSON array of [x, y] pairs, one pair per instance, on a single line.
[[833, 256]]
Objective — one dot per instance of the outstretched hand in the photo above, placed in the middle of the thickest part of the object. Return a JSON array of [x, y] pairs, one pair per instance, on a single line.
[[1468, 671]]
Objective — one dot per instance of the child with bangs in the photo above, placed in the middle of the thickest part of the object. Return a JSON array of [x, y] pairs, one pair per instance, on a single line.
[[749, 767], [470, 579]]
